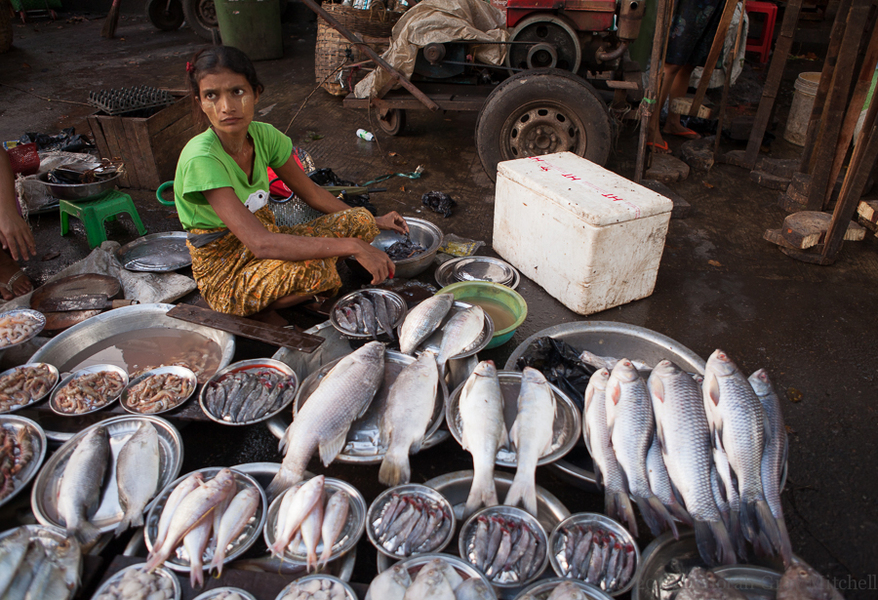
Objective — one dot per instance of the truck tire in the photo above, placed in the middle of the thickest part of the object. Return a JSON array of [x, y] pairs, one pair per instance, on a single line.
[[542, 111], [201, 17], [165, 15], [5, 26]]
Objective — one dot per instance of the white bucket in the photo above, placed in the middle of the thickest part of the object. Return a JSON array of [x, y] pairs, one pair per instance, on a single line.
[[800, 110]]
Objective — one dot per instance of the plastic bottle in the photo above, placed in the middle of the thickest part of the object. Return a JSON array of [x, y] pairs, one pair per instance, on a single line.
[[365, 135]]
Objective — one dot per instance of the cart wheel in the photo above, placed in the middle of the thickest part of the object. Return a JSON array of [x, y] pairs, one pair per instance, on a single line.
[[542, 111], [393, 122], [166, 15], [201, 17]]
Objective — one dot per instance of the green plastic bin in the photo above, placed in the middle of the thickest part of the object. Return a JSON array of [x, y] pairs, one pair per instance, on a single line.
[[252, 26]]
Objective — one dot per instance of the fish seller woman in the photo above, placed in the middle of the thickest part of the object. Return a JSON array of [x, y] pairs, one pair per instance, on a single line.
[[244, 263]]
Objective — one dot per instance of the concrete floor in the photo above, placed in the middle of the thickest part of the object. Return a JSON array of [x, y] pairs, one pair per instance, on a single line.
[[719, 285]]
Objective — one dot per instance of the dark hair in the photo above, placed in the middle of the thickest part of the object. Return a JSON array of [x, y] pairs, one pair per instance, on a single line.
[[213, 60]]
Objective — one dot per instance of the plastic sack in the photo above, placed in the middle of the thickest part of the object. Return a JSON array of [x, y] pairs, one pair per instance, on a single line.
[[458, 246], [439, 202], [559, 362]]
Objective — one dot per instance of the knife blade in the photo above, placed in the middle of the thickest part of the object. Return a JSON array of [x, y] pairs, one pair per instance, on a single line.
[[82, 302]]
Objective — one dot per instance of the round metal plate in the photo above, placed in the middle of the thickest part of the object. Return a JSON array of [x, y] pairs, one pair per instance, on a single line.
[[463, 568], [44, 496], [756, 583], [445, 273], [543, 588], [409, 490], [565, 430], [179, 560], [397, 302], [160, 573], [214, 594], [53, 539], [53, 374], [53, 399], [349, 536], [434, 341], [20, 426], [249, 365], [25, 316], [289, 589], [156, 253], [183, 372]]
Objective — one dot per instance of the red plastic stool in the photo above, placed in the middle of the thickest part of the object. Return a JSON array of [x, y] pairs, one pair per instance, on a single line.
[[763, 44]]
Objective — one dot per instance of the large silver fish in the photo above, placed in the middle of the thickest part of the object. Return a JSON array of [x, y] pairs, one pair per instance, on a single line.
[[531, 434], [407, 414], [459, 333], [423, 320], [236, 516], [13, 549], [334, 519], [774, 457], [324, 420], [294, 509], [631, 426], [617, 504], [684, 437], [737, 420], [483, 432], [137, 475], [79, 494], [181, 491]]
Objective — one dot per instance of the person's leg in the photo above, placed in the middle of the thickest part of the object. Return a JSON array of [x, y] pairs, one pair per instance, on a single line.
[[11, 272], [678, 89], [658, 143]]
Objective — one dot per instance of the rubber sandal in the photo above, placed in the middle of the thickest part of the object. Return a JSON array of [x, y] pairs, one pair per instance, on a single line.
[[662, 146], [688, 134], [15, 277]]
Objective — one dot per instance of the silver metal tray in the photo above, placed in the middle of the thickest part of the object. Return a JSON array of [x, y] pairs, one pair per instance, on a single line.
[[15, 424], [179, 560], [79, 192], [87, 371], [756, 583], [434, 342], [173, 370], [399, 307], [414, 490], [348, 591], [463, 568], [161, 572], [53, 373], [565, 430], [37, 318], [362, 445], [156, 253], [51, 539], [349, 536], [248, 365], [215, 592], [543, 588], [486, 269], [556, 542], [44, 496]]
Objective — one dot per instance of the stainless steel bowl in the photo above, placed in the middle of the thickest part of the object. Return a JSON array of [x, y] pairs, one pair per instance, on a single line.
[[543, 588], [161, 573], [35, 317], [78, 192], [53, 399], [248, 365], [16, 426], [463, 568], [183, 372], [415, 491], [398, 306], [304, 581], [215, 593], [53, 373], [486, 269], [421, 232]]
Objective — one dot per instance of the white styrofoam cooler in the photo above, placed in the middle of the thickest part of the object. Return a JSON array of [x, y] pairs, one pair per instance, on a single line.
[[591, 238]]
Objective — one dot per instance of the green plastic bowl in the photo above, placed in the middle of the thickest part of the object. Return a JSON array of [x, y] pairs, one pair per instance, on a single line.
[[471, 291]]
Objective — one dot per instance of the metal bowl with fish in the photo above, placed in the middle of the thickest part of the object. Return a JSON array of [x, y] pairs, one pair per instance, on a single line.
[[225, 593], [249, 392], [162, 584], [159, 390], [22, 450], [571, 547], [31, 543], [566, 427], [317, 587], [348, 536], [434, 341], [421, 232], [549, 588], [25, 385], [18, 325], [356, 313], [88, 390], [179, 560], [433, 531], [524, 543]]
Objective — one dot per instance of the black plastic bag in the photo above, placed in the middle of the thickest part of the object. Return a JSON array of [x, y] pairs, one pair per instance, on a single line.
[[327, 177], [67, 141], [439, 202], [559, 362]]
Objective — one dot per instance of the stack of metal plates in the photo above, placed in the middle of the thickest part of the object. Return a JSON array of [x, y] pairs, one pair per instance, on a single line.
[[477, 268]]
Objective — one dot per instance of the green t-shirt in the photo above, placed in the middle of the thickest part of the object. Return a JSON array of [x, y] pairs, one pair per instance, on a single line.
[[205, 165]]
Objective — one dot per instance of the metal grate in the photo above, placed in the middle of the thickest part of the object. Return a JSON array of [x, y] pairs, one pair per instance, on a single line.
[[128, 100]]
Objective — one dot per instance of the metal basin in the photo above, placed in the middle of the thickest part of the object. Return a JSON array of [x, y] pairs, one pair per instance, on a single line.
[[421, 232], [78, 192]]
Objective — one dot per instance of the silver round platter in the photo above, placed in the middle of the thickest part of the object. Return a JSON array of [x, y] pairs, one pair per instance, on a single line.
[[566, 428], [29, 373], [108, 400], [434, 341], [290, 592], [395, 303], [184, 373], [26, 316], [224, 592], [160, 573], [156, 253], [410, 493], [44, 495], [179, 559], [463, 568], [249, 365], [543, 588], [477, 268], [63, 549], [26, 432]]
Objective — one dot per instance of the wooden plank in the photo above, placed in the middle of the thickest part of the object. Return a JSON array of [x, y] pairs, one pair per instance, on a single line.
[[168, 115], [715, 49], [141, 154], [116, 147], [726, 85], [247, 328], [868, 209]]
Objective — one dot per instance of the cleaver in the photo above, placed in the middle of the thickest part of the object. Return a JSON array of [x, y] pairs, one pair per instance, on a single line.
[[82, 302]]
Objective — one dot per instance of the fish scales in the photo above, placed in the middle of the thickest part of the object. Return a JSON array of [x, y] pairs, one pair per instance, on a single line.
[[80, 489], [423, 320], [137, 475]]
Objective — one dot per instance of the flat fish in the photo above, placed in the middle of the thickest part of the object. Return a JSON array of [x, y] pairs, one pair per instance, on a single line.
[[801, 582], [390, 584], [430, 584]]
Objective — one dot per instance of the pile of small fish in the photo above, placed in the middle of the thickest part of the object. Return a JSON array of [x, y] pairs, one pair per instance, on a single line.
[[89, 392], [367, 313], [37, 566], [404, 249], [242, 396], [596, 556], [228, 595], [306, 518], [159, 392], [24, 385], [16, 328], [138, 584], [16, 451], [710, 454], [436, 580], [460, 332], [505, 549], [205, 517], [411, 524], [315, 589], [566, 590], [137, 480]]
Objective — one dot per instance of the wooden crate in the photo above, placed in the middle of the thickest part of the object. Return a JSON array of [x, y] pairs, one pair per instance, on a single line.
[[149, 146]]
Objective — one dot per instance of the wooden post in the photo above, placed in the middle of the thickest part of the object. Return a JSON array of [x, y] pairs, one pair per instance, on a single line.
[[715, 49], [648, 106], [728, 84]]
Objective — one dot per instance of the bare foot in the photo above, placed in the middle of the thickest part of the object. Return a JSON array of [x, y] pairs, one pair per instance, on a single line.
[[13, 281]]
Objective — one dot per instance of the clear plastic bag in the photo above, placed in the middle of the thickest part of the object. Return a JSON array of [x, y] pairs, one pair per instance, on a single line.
[[458, 246]]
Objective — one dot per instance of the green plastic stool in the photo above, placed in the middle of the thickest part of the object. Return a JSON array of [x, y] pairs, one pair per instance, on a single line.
[[94, 212]]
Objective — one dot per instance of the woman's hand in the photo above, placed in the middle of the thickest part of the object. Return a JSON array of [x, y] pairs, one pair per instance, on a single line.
[[16, 236], [375, 261], [394, 221]]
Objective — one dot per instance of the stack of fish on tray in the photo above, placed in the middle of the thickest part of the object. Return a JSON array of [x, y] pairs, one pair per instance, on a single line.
[[306, 518], [241, 396], [505, 549], [483, 433], [460, 332], [15, 328], [436, 580], [16, 451], [322, 588], [38, 566], [367, 313], [24, 385], [410, 524], [596, 556], [89, 392], [709, 455], [205, 517], [158, 392], [137, 480], [137, 583]]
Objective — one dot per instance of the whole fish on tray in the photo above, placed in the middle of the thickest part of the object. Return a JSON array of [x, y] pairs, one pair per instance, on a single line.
[[31, 567], [16, 451], [138, 469], [409, 525], [423, 320], [368, 314], [505, 549], [241, 396], [597, 556], [79, 493], [801, 582], [459, 333]]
